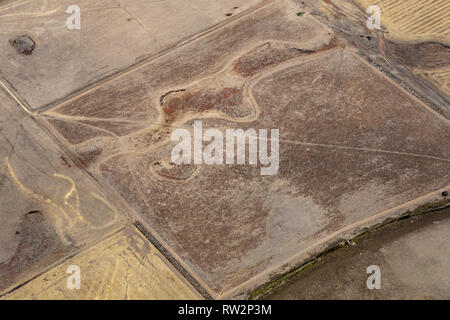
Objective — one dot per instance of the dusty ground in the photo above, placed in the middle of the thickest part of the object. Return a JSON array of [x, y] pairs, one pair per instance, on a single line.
[[114, 35], [355, 146], [409, 268], [49, 208], [403, 59], [123, 266]]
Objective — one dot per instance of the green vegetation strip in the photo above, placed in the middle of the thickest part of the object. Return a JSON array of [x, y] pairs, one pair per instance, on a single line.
[[267, 288]]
